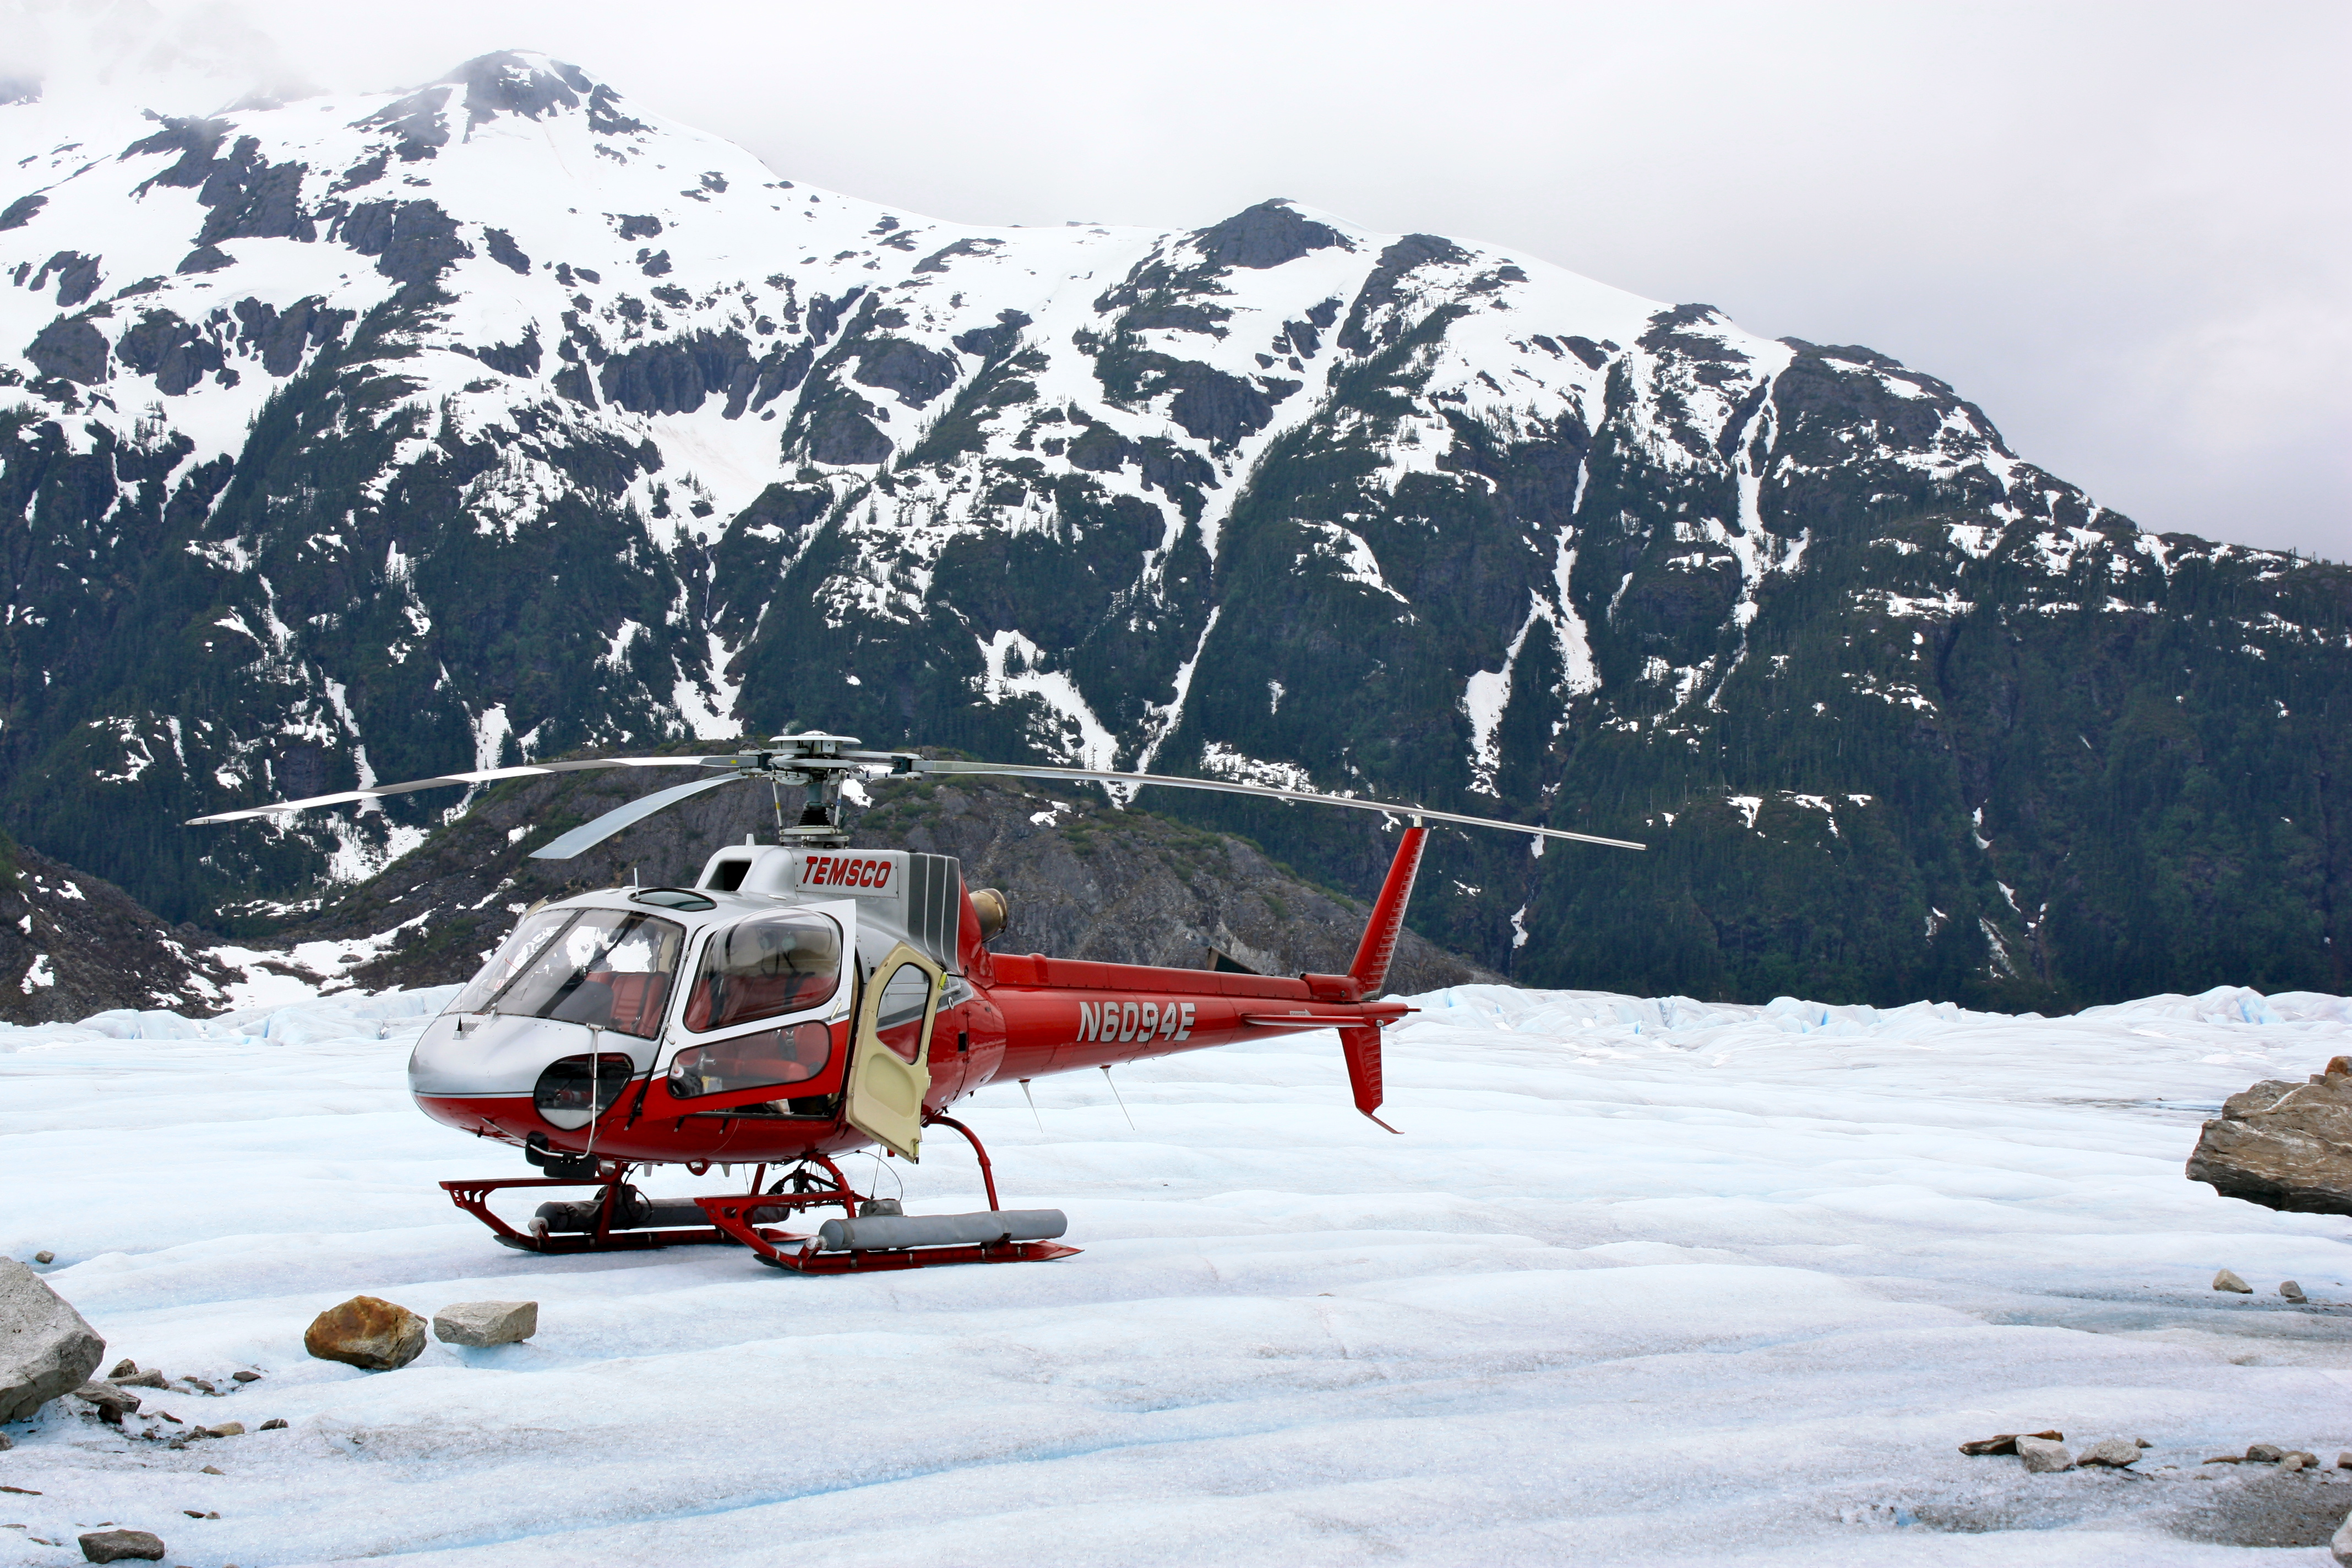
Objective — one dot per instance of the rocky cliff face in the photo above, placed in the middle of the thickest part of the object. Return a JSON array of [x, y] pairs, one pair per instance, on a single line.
[[345, 440], [71, 945]]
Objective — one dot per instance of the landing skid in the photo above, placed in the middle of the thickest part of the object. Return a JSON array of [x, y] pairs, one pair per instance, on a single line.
[[744, 1220]]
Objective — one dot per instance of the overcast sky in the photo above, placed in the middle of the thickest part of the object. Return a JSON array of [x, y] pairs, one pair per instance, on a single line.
[[2124, 230]]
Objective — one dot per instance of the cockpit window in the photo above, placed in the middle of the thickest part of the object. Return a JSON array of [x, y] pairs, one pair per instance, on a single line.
[[608, 968], [763, 966]]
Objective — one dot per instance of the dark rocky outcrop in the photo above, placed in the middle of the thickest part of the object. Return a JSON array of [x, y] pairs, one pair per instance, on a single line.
[[677, 375], [841, 433], [505, 251], [282, 339], [175, 353], [988, 342], [69, 348], [252, 198], [77, 275], [71, 945], [1267, 234], [916, 374], [417, 121], [1213, 407], [1382, 289], [2283, 1145], [413, 242], [937, 261], [511, 83]]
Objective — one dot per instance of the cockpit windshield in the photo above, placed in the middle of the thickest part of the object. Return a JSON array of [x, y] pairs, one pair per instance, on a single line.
[[608, 968]]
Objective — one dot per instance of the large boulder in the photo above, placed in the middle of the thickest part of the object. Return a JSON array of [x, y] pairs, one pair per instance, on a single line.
[[366, 1331], [46, 1348], [2283, 1145]]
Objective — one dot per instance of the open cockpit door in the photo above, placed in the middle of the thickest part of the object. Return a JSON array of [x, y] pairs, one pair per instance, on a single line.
[[889, 1054]]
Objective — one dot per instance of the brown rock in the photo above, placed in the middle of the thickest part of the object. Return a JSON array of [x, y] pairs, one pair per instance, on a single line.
[[112, 1403], [2282, 1145], [366, 1331], [212, 1471], [2264, 1453], [275, 1424], [44, 1257], [2006, 1442], [124, 1368], [247, 1376], [121, 1545], [2291, 1291], [2227, 1281], [226, 1429]]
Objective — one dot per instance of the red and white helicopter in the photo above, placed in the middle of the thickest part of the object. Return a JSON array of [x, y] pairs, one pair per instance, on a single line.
[[804, 999]]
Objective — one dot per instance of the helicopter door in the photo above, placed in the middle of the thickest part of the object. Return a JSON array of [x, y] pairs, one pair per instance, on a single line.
[[890, 1070]]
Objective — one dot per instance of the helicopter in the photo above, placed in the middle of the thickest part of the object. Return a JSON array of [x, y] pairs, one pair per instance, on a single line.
[[802, 1000]]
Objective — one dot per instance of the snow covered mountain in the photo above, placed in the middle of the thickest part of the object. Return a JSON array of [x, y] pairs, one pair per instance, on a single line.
[[344, 439]]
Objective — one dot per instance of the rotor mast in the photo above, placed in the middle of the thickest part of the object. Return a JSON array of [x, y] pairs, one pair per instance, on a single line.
[[821, 765]]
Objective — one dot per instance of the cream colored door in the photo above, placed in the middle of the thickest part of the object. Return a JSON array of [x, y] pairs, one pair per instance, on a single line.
[[889, 1056]]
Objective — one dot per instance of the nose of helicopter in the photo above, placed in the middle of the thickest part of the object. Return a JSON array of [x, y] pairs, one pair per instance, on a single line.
[[491, 1074]]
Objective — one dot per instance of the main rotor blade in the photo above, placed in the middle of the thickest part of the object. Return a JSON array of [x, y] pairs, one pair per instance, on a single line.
[[1222, 786], [483, 775], [589, 833]]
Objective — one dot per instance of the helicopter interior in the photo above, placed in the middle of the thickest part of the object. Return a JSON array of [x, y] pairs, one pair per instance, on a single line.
[[762, 967]]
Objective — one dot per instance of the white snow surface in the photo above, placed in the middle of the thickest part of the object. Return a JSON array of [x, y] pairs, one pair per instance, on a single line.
[[1643, 1281]]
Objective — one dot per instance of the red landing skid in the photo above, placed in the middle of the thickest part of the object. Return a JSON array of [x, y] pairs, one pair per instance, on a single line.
[[741, 1219]]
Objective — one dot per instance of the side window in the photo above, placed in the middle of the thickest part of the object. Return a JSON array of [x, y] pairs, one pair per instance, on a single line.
[[794, 1054], [906, 995], [763, 966]]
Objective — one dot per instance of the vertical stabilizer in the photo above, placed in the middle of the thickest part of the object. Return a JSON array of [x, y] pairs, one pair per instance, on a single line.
[[1370, 969]]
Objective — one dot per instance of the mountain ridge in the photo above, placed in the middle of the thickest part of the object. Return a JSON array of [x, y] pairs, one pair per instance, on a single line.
[[494, 419]]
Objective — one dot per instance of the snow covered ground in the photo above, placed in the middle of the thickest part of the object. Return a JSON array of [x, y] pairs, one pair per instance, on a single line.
[[1643, 1282]]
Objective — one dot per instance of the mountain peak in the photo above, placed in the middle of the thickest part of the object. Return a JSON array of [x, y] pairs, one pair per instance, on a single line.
[[523, 82], [520, 81], [1267, 235]]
